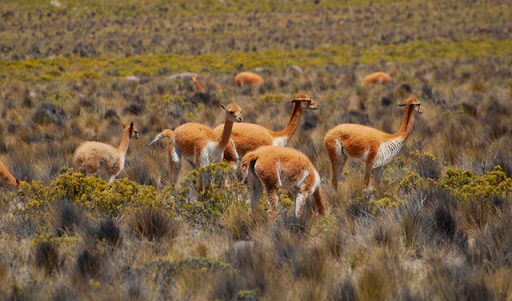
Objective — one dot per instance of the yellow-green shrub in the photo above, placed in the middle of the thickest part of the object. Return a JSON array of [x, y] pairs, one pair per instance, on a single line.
[[93, 193], [206, 207], [466, 185]]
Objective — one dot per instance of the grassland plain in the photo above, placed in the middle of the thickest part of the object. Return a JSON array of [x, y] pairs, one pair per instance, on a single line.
[[437, 228]]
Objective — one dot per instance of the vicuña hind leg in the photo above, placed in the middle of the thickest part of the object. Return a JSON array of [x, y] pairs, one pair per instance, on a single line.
[[272, 199], [174, 162], [92, 165], [337, 167], [256, 192], [270, 179]]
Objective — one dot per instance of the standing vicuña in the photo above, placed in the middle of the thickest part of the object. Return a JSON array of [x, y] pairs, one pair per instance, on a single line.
[[362, 143], [92, 156], [198, 143], [272, 167], [249, 136], [8, 177], [248, 79]]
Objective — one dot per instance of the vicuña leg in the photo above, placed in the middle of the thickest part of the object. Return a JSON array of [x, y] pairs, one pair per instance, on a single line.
[[174, 162], [92, 165], [377, 172], [272, 198], [319, 201], [256, 192], [367, 175], [337, 167], [300, 200]]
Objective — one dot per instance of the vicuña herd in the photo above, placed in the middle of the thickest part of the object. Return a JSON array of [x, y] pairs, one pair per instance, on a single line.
[[266, 162]]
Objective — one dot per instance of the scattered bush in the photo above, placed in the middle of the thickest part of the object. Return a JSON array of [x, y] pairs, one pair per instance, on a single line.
[[88, 264], [153, 224], [47, 257]]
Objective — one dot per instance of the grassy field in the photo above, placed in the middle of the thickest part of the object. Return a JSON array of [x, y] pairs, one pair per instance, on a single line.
[[439, 227]]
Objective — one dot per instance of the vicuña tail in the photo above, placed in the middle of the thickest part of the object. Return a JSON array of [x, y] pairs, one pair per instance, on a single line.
[[248, 163], [164, 133]]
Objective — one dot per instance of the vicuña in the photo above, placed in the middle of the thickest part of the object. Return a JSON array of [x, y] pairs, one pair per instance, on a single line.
[[8, 177], [248, 79], [198, 143], [92, 157], [366, 144], [249, 136], [272, 167]]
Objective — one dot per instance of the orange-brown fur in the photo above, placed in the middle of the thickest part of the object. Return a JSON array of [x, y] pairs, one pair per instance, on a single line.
[[377, 77], [249, 136], [272, 167], [92, 156], [354, 141], [8, 177], [248, 79], [198, 85], [198, 143]]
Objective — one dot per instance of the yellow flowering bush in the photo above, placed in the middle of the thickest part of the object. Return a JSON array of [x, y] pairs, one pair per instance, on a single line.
[[205, 207], [466, 185], [93, 193]]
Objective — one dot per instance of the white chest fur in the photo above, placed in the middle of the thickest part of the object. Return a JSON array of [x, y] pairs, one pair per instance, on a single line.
[[387, 151]]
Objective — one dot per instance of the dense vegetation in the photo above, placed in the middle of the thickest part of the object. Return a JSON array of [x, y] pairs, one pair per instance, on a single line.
[[438, 227]]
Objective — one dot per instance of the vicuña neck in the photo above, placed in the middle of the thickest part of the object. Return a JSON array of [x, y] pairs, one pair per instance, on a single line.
[[199, 87], [292, 125], [123, 147], [226, 135], [406, 127]]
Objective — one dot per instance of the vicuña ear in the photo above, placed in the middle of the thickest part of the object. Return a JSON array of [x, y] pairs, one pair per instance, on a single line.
[[223, 106], [401, 105]]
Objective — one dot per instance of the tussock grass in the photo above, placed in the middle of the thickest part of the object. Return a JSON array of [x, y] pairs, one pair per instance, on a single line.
[[436, 228]]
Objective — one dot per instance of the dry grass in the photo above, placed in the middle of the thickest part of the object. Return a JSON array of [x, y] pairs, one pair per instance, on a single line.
[[422, 234]]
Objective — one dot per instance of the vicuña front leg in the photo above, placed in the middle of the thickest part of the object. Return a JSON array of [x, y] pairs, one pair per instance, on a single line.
[[377, 172], [300, 200], [367, 175]]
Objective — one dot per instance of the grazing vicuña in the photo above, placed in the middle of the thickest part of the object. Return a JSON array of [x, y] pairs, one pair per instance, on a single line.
[[248, 79], [377, 77], [272, 167]]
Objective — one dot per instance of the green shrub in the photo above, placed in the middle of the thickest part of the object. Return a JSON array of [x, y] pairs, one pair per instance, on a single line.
[[466, 185]]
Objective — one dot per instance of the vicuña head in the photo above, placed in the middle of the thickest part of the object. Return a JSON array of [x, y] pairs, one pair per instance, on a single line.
[[92, 157], [361, 143], [249, 136], [198, 143], [273, 167]]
